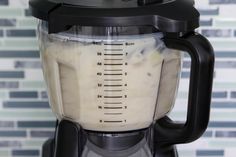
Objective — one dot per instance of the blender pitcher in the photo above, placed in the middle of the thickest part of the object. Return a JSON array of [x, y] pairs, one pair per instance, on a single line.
[[112, 70], [101, 77]]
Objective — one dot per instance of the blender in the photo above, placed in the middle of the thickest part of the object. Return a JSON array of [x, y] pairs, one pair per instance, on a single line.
[[112, 69]]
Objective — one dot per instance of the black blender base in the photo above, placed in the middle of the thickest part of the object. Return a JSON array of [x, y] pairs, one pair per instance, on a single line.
[[48, 150], [70, 140]]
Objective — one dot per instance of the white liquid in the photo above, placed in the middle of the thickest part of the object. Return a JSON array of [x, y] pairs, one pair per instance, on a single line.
[[111, 87]]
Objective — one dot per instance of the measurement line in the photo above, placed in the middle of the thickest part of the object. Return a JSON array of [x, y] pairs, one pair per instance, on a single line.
[[112, 103], [112, 69], [112, 79], [106, 59], [113, 113], [113, 49], [112, 90], [113, 44], [113, 121], [113, 74], [115, 108], [113, 64], [113, 97], [113, 85], [113, 54]]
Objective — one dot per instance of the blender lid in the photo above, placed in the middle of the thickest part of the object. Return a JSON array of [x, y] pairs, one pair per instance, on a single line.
[[170, 16]]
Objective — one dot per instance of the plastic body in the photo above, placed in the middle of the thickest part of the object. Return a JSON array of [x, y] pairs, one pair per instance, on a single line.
[[102, 77], [201, 79], [165, 133], [176, 20]]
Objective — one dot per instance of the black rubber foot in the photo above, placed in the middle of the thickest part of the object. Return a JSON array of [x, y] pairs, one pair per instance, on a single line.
[[48, 148]]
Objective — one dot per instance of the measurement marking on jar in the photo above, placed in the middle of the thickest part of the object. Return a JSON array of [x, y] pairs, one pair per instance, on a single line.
[[113, 113], [109, 85], [111, 59], [113, 64], [112, 90], [112, 79], [114, 108], [113, 97], [113, 44], [113, 70], [113, 103], [113, 54], [113, 49], [113, 121], [108, 74], [112, 74]]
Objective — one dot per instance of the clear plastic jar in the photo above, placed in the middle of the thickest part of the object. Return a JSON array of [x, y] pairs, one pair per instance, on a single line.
[[109, 78]]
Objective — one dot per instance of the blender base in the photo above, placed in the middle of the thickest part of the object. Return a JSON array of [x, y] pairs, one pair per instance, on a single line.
[[48, 149], [70, 141]]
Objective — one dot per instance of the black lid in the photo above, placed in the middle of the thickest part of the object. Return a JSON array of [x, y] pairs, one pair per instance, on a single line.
[[165, 15]]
